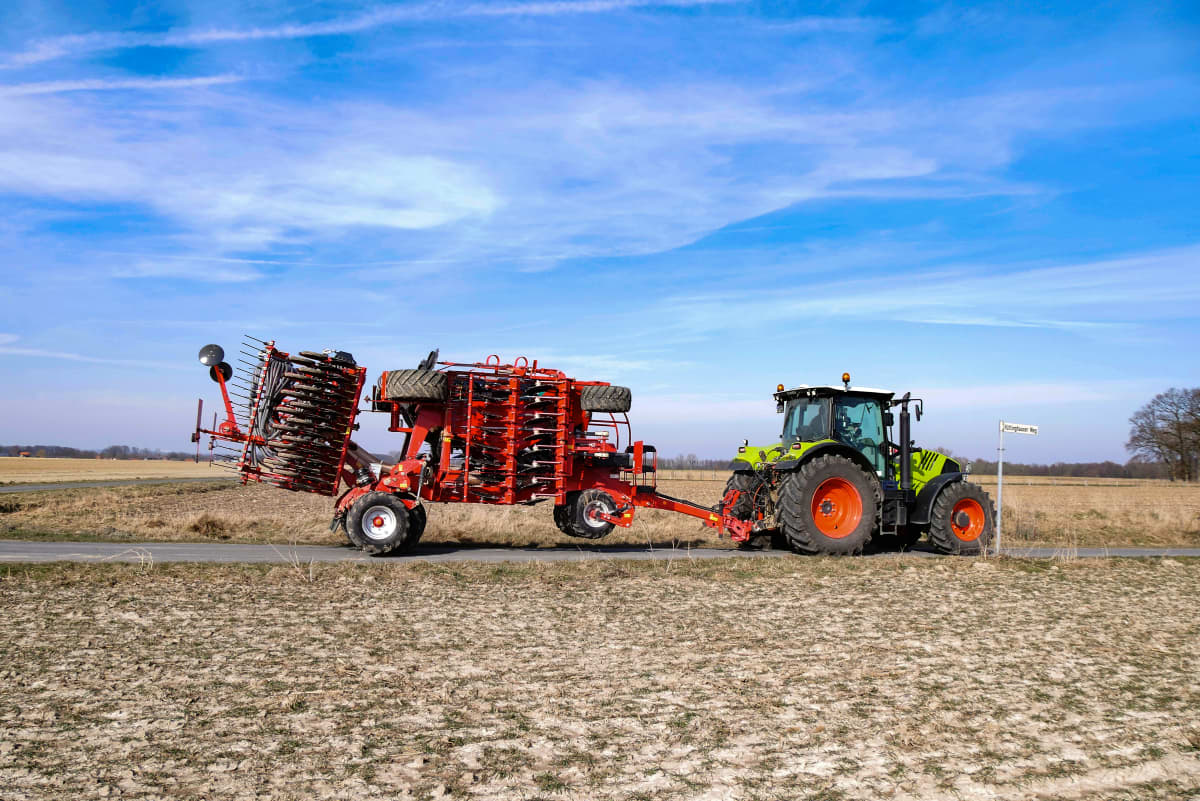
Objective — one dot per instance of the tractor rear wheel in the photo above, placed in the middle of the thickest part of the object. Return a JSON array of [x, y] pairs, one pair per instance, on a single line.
[[829, 506], [605, 399], [380, 524], [414, 386], [963, 519]]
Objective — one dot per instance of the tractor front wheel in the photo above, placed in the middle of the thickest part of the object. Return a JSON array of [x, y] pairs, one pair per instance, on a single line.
[[380, 524], [963, 519], [829, 506]]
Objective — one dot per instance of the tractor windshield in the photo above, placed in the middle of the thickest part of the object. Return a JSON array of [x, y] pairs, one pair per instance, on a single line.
[[807, 420]]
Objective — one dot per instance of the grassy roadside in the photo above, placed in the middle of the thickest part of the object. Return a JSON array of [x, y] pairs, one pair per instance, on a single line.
[[822, 679], [1042, 515]]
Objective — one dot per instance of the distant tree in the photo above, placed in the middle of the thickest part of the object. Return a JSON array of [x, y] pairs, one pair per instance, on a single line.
[[1167, 429]]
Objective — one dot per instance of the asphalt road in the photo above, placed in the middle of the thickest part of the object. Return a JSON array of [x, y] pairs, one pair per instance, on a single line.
[[22, 551], [118, 483]]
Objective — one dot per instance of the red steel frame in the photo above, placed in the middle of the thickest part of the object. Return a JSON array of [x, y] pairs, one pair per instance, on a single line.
[[506, 434]]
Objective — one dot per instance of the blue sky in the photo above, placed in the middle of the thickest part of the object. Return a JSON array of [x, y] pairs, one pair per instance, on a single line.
[[994, 206]]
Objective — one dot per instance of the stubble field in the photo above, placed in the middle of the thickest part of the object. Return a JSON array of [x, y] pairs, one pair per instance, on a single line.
[[1061, 513], [763, 679], [46, 471]]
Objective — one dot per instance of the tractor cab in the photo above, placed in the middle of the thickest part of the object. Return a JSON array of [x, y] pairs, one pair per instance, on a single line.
[[854, 416]]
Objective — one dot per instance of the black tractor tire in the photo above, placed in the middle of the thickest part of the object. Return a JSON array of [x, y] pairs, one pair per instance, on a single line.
[[378, 523], [428, 386], [753, 499], [753, 496], [605, 399], [829, 506], [578, 522], [963, 519]]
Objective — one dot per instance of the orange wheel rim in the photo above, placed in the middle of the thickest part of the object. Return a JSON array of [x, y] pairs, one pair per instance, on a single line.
[[967, 519], [836, 508]]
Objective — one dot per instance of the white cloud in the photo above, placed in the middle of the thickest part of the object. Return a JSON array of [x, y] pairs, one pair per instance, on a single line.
[[380, 16], [109, 84], [527, 177], [199, 270], [39, 353], [1029, 395], [1092, 296]]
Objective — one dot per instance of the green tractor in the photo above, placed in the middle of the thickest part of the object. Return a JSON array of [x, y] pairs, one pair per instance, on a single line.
[[838, 480]]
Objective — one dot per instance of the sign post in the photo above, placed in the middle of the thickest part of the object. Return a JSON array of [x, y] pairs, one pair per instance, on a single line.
[[1011, 428]]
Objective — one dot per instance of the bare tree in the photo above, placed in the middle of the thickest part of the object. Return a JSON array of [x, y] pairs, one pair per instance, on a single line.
[[1167, 429]]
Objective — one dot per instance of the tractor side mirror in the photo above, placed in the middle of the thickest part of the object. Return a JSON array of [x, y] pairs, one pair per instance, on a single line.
[[920, 411], [779, 407], [889, 419]]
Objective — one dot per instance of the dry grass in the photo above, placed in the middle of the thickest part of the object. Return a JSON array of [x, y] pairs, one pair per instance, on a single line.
[[1149, 513], [806, 679], [1096, 514], [219, 512], [39, 471]]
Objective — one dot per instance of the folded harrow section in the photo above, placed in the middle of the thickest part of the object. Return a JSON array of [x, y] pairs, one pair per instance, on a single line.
[[291, 425]]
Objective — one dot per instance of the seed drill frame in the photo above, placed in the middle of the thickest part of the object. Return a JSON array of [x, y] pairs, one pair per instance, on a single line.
[[488, 433]]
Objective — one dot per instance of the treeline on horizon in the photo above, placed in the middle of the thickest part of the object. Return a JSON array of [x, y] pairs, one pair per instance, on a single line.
[[1108, 469], [1131, 469], [111, 452]]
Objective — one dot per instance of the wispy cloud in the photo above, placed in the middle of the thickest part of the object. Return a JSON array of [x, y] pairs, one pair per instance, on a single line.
[[7, 349], [1024, 395], [110, 85], [595, 170], [1081, 297], [217, 272], [82, 44]]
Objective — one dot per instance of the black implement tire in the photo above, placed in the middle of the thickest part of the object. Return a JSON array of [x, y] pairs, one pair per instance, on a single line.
[[417, 518], [605, 399], [562, 514], [378, 523], [414, 385], [829, 506], [963, 519], [578, 522]]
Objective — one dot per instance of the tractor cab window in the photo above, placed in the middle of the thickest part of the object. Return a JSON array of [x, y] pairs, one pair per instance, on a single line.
[[858, 422], [807, 420]]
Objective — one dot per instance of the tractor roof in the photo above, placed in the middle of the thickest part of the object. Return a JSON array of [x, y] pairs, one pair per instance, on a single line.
[[824, 391]]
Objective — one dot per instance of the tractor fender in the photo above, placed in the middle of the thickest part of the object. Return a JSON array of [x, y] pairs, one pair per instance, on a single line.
[[741, 466], [923, 506], [825, 449]]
